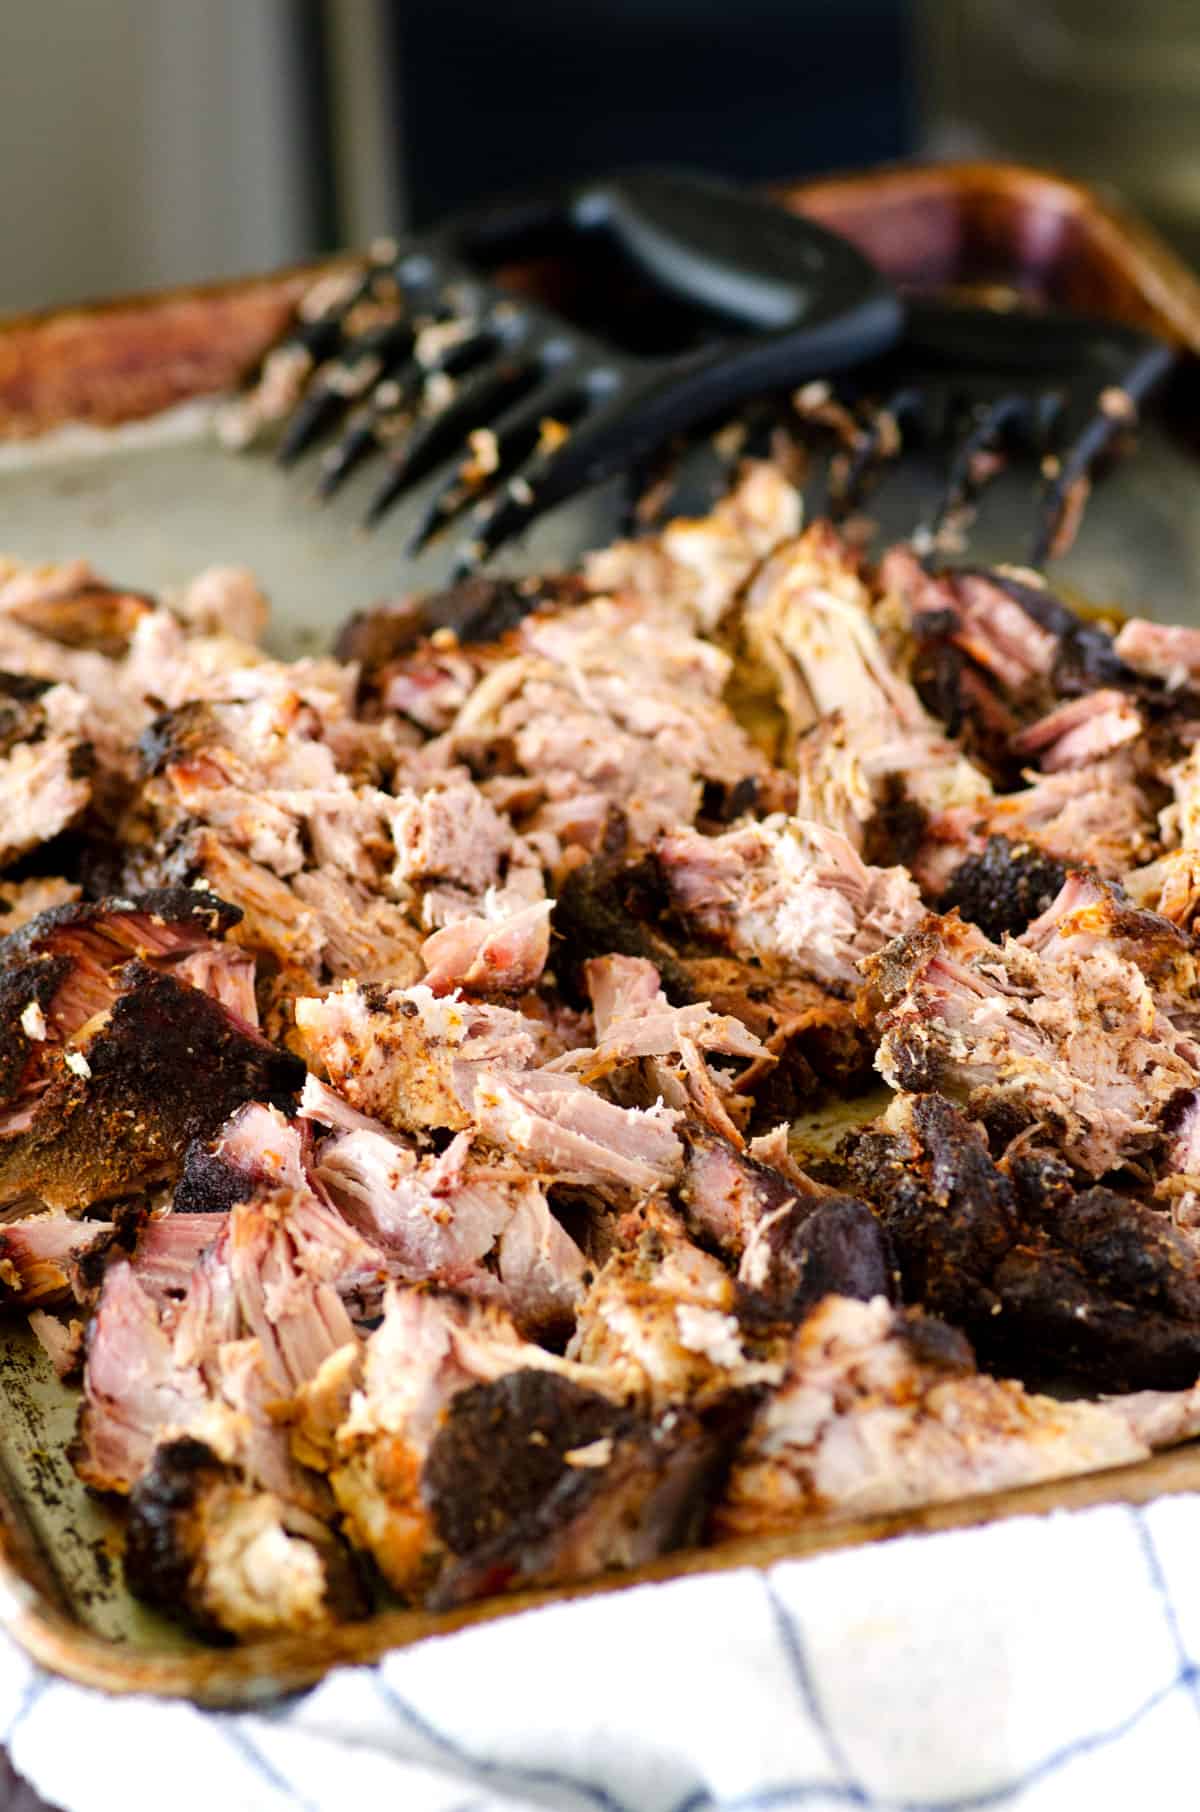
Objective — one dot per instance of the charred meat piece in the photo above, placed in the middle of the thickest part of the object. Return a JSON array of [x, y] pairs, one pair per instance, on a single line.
[[166, 1066], [632, 1491], [1004, 887], [1049, 1284], [812, 1248], [427, 1348], [202, 1543], [60, 970], [1073, 1048], [883, 1411], [724, 1194]]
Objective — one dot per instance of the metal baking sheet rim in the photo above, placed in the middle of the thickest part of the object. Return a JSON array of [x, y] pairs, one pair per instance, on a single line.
[[34, 1609]]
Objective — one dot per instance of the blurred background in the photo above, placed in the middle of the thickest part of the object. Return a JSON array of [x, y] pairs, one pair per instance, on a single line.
[[146, 144]]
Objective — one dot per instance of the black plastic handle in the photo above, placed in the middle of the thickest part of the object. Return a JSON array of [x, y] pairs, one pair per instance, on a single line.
[[723, 248], [701, 240]]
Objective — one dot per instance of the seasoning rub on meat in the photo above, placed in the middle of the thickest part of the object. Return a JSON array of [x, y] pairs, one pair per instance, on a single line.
[[398, 1051]]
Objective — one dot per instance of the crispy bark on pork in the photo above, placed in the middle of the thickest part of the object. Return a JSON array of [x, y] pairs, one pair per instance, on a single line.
[[1050, 1283], [1071, 1050], [60, 970], [1003, 887], [882, 1410], [166, 1064], [203, 1544], [470, 1462], [427, 1348], [994, 649], [792, 895], [582, 1489]]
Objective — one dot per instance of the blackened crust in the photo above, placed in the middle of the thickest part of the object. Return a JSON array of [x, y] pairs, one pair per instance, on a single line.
[[165, 1531], [210, 1184], [202, 913], [36, 982], [1005, 887], [833, 1246], [500, 1452], [170, 1066]]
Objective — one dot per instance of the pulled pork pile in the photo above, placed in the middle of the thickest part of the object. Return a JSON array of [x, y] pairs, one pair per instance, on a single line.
[[398, 1052]]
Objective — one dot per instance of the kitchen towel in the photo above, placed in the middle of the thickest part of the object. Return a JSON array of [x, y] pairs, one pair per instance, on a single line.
[[1035, 1664]]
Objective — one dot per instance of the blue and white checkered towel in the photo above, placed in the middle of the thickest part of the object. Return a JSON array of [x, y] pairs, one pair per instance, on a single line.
[[1041, 1663]]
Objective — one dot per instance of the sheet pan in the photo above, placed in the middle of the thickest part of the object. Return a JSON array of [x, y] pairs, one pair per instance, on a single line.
[[107, 450]]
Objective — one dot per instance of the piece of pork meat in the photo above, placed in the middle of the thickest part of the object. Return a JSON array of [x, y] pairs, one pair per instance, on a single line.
[[1081, 731], [1006, 629], [436, 1217], [427, 1348], [1051, 1285], [700, 565], [566, 1133], [534, 1481], [1089, 916], [807, 618], [1073, 1051], [52, 1259], [21, 901], [810, 1036], [648, 1051], [45, 762], [974, 615], [724, 1193], [166, 1065], [134, 1389], [202, 1543], [882, 1411], [661, 1320], [612, 705], [1163, 651], [61, 970], [502, 950], [794, 895], [810, 1248], [169, 1247], [1103, 814], [408, 1058], [258, 1148]]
